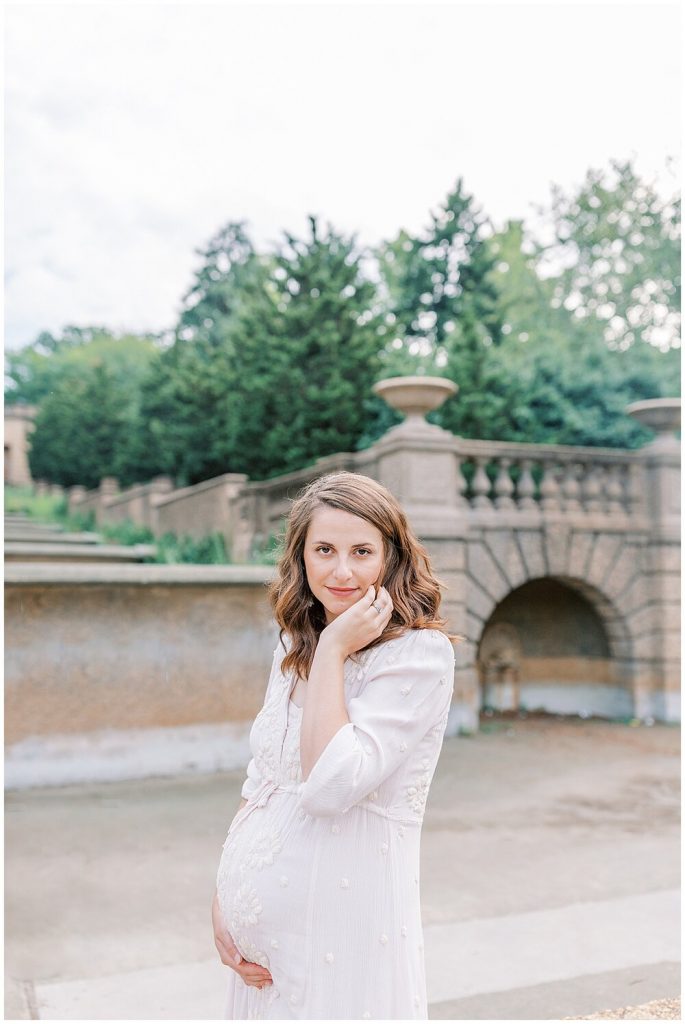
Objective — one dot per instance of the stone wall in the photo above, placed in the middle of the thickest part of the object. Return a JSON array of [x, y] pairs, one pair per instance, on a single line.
[[133, 647]]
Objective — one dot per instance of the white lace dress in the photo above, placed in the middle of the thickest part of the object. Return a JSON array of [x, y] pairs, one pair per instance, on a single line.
[[319, 880]]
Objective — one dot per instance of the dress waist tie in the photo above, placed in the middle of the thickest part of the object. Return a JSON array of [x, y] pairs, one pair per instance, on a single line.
[[260, 797]]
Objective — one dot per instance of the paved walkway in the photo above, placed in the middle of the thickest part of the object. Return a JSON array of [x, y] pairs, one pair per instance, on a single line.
[[550, 872]]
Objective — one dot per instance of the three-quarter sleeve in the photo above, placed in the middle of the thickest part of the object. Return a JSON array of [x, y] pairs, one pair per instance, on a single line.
[[253, 776], [408, 691]]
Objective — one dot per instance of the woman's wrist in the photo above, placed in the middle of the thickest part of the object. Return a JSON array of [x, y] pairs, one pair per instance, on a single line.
[[330, 646]]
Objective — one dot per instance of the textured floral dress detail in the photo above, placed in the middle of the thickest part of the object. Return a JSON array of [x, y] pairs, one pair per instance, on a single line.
[[319, 880]]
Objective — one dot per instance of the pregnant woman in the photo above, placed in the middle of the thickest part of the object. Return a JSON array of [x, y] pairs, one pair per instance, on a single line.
[[317, 907]]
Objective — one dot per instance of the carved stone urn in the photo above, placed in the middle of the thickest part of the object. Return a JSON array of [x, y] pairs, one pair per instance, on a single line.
[[661, 415], [415, 397]]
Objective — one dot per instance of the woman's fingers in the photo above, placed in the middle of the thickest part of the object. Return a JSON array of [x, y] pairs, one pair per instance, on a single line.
[[254, 974]]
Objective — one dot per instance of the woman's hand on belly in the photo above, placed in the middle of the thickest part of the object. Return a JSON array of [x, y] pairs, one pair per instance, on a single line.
[[252, 974]]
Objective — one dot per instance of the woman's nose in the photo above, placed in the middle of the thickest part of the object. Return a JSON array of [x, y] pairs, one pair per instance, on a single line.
[[342, 571]]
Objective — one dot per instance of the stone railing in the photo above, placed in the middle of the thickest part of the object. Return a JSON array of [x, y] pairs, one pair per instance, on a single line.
[[502, 476], [138, 503], [442, 477]]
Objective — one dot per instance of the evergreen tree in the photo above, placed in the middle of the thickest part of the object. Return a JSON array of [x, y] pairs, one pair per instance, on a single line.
[[305, 355], [185, 425], [444, 307]]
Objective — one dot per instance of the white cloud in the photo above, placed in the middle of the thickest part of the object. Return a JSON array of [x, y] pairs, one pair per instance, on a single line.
[[134, 132]]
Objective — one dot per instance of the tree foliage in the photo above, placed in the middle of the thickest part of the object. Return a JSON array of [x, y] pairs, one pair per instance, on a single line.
[[32, 372], [305, 354], [272, 361], [80, 428], [614, 257]]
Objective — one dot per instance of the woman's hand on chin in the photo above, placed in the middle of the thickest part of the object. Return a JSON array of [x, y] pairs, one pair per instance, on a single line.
[[359, 624]]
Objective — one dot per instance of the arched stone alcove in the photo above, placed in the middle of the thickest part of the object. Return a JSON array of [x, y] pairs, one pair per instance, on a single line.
[[548, 646]]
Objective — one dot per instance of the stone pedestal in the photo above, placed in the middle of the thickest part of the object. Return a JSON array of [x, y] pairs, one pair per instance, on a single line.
[[657, 676]]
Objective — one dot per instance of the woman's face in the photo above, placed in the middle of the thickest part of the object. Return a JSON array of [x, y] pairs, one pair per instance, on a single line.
[[343, 556]]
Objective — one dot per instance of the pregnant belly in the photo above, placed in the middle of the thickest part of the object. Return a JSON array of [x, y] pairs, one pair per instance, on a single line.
[[261, 881]]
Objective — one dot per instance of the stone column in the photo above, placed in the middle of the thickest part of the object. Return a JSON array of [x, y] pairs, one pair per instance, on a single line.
[[418, 462], [109, 487], [157, 488], [657, 655], [76, 496]]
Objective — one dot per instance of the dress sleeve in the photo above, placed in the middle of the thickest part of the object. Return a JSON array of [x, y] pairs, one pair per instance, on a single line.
[[408, 691], [253, 776]]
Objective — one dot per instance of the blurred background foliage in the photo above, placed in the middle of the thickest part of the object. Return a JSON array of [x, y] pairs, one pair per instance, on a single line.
[[170, 548], [548, 335]]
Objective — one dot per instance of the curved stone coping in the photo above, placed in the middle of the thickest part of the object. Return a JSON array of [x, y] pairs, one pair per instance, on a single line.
[[60, 574]]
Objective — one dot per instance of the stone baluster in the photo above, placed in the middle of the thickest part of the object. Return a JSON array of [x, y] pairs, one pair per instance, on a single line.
[[526, 485], [549, 488], [504, 485], [614, 489], [635, 484], [481, 485], [592, 490], [570, 488], [462, 486]]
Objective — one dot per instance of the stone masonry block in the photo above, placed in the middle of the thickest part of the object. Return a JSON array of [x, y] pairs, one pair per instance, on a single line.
[[577, 553], [660, 557], [484, 569], [665, 586], [507, 554], [643, 620], [622, 571], [446, 554], [478, 602], [645, 646], [603, 554], [530, 543], [474, 628], [464, 654], [556, 538], [636, 594]]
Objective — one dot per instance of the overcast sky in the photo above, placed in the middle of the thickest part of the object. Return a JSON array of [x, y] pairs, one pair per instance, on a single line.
[[134, 132]]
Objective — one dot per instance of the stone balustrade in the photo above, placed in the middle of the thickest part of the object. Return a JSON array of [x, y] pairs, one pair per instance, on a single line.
[[502, 476]]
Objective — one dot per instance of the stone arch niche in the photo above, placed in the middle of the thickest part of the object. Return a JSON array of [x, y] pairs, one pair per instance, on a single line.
[[554, 645]]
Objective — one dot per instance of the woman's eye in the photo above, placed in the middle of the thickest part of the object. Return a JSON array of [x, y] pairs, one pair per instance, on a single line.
[[323, 548], [365, 551]]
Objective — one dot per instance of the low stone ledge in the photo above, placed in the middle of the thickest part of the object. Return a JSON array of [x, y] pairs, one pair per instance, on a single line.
[[50, 537], [48, 573], [18, 551]]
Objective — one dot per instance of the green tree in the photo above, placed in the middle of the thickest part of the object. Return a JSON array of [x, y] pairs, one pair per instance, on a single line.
[[564, 384], [306, 347], [80, 428], [187, 410], [229, 262], [443, 307], [32, 372], [614, 257]]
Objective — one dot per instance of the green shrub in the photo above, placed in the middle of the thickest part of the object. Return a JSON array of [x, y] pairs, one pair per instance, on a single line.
[[210, 550], [49, 508]]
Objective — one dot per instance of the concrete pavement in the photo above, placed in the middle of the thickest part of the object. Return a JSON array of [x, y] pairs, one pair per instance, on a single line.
[[549, 879]]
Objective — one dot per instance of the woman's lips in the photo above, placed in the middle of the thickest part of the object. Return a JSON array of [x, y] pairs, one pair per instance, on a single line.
[[342, 591]]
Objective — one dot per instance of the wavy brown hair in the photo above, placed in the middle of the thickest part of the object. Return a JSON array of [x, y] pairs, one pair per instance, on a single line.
[[406, 575]]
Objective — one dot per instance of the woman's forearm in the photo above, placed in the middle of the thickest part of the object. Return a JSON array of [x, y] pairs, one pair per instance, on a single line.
[[324, 710]]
